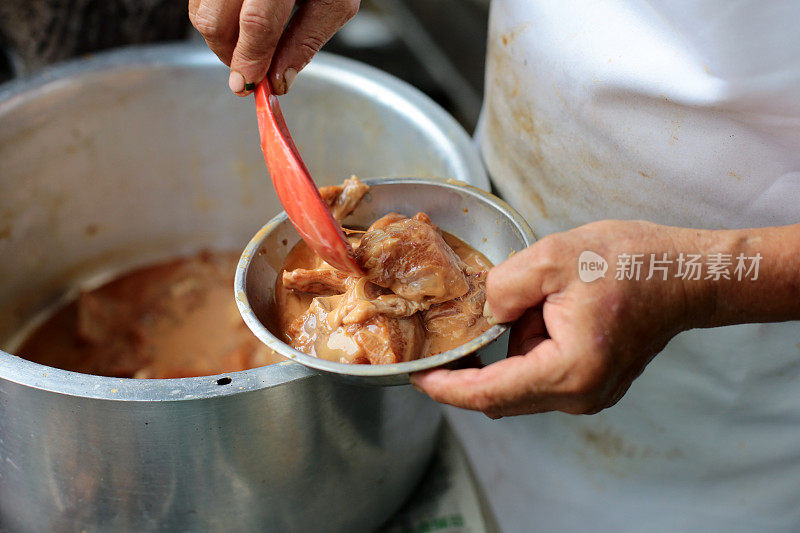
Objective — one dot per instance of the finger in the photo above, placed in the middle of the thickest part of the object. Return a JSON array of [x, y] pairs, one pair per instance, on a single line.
[[218, 23], [516, 284], [525, 383], [312, 25], [527, 332], [261, 23]]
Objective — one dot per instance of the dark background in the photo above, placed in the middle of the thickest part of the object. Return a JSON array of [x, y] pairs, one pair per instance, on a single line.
[[436, 45]]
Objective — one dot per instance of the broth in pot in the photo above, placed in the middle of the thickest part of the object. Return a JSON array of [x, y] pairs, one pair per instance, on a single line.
[[173, 319]]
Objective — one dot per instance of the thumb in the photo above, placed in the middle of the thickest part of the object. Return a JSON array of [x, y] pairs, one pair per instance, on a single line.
[[515, 285], [260, 28]]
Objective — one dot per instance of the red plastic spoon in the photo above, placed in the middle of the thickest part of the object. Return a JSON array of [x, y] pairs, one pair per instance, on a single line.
[[296, 189]]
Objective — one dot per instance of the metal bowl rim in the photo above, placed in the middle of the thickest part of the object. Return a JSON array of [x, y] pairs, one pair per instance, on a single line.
[[371, 371]]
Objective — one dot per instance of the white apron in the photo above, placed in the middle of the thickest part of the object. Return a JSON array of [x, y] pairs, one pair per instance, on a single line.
[[682, 112]]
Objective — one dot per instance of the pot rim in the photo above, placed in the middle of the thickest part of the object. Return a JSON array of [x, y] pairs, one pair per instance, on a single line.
[[372, 374], [360, 78]]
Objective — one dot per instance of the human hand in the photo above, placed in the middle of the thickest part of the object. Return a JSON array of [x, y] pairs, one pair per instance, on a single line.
[[252, 36], [577, 346]]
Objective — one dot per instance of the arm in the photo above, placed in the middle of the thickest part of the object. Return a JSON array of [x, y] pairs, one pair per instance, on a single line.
[[577, 346], [253, 37], [774, 296]]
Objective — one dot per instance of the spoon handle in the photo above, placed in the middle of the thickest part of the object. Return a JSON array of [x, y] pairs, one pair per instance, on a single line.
[[296, 189]]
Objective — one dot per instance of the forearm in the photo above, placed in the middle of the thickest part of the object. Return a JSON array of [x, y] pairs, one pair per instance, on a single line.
[[768, 293]]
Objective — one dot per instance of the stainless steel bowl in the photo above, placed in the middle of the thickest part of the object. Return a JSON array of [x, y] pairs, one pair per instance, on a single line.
[[135, 156], [478, 218]]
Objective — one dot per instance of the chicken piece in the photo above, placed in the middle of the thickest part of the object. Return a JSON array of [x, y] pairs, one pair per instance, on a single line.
[[325, 281], [363, 300], [381, 339], [343, 199], [387, 340], [458, 318], [107, 332], [100, 319], [410, 257], [460, 313]]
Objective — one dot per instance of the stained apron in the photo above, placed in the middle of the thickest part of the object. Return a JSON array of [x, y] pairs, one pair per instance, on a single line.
[[684, 113]]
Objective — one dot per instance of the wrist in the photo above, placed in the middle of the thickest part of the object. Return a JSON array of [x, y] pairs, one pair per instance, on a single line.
[[700, 294], [761, 282], [706, 295]]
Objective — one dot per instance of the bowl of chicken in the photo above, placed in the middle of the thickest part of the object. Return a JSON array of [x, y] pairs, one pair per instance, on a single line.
[[425, 246]]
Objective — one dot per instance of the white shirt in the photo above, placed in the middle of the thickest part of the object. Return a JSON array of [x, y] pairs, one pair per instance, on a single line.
[[681, 112]]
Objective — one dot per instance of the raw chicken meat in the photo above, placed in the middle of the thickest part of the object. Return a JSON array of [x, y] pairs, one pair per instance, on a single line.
[[352, 329], [410, 257], [457, 316], [343, 199], [422, 293], [319, 280]]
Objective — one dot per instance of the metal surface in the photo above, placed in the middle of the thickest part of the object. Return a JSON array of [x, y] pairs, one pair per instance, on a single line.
[[480, 219], [138, 155]]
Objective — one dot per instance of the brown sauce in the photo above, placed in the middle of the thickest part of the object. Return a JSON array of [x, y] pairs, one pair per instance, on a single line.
[[453, 333], [169, 320]]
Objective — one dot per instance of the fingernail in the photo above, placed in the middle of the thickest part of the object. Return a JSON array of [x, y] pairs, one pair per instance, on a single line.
[[487, 313], [288, 77], [236, 82]]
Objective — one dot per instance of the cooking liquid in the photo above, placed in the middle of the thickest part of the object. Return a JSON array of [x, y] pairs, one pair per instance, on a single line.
[[168, 320], [290, 305]]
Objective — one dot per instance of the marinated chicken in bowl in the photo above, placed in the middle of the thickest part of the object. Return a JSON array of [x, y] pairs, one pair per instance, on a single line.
[[422, 292]]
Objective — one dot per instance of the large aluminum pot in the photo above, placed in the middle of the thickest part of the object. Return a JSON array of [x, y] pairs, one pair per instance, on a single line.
[[138, 155]]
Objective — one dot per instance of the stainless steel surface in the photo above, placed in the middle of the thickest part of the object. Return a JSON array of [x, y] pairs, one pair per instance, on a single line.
[[476, 217], [134, 156]]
